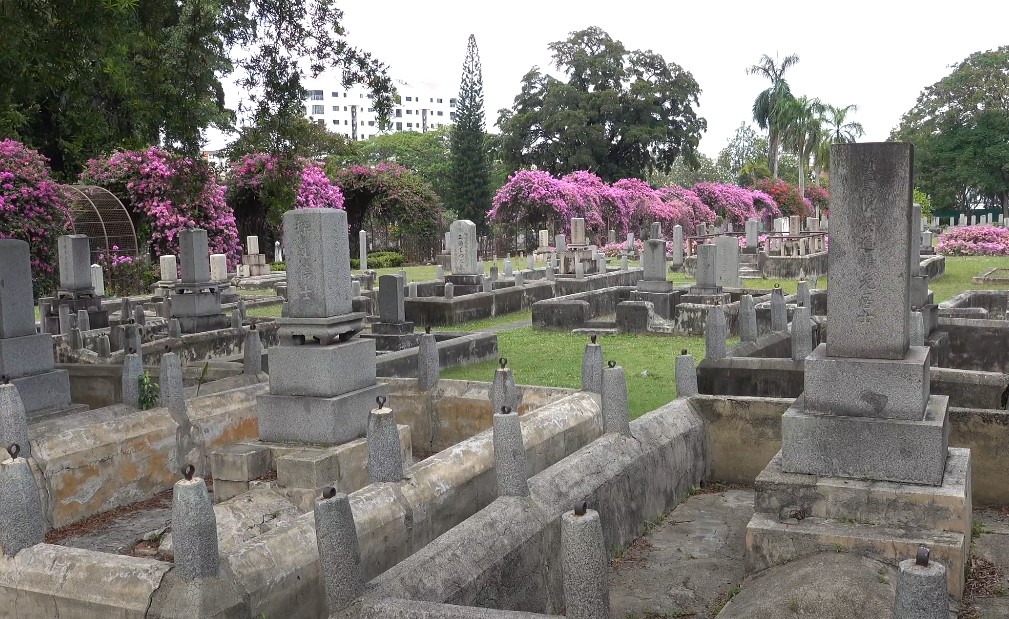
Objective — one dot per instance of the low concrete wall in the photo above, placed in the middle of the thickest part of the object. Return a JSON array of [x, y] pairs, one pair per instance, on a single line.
[[789, 267], [456, 409], [97, 460], [507, 556], [570, 285], [280, 569], [994, 302], [977, 344], [744, 434], [454, 350], [574, 310], [437, 311], [101, 385], [971, 388], [933, 266]]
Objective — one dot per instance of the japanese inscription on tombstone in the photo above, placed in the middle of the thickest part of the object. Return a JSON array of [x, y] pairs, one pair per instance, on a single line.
[[464, 258], [318, 263], [871, 228]]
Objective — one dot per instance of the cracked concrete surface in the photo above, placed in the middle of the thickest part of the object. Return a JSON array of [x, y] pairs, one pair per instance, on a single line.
[[688, 563]]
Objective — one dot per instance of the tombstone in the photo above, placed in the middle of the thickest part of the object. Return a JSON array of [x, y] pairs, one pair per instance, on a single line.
[[578, 232], [802, 294], [278, 253], [544, 239], [519, 279], [493, 273], [174, 328], [236, 319], [218, 267], [251, 245], [715, 333], [448, 242], [322, 377], [362, 250], [83, 320], [355, 288], [752, 235], [439, 273], [794, 225], [479, 268], [559, 244], [508, 268], [133, 369], [76, 342], [74, 262], [655, 230], [747, 319], [653, 260], [706, 261], [64, 317], [169, 268], [702, 229], [139, 316], [194, 255], [26, 357], [530, 265], [601, 263], [780, 224], [449, 291], [579, 270], [677, 257], [464, 247], [98, 280], [611, 236], [391, 308], [727, 262], [630, 243]]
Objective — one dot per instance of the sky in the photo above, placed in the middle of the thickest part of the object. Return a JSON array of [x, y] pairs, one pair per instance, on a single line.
[[878, 55]]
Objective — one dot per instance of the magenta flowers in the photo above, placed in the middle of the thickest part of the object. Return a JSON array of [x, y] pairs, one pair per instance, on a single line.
[[974, 241]]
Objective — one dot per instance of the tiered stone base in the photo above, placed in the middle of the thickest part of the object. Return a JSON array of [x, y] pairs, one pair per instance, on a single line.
[[799, 515], [255, 265], [663, 303]]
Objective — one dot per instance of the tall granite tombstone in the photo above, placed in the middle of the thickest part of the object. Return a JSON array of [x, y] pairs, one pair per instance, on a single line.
[[578, 232], [196, 298], [677, 254], [576, 254], [727, 262], [392, 331], [26, 357], [654, 287], [866, 414], [76, 290], [322, 377], [706, 290], [752, 227], [467, 272]]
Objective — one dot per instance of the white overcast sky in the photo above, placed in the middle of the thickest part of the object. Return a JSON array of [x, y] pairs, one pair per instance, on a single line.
[[878, 55]]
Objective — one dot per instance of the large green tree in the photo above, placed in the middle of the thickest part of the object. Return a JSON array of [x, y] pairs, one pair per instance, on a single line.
[[427, 154], [838, 128], [620, 113], [960, 128], [469, 173], [768, 104], [801, 124]]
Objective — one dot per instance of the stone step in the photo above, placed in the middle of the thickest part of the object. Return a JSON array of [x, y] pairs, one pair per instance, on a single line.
[[750, 276], [942, 508], [771, 542]]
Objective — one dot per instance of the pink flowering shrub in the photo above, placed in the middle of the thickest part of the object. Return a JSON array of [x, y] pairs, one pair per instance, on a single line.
[[316, 191], [974, 241], [33, 208], [165, 194], [737, 204], [819, 198]]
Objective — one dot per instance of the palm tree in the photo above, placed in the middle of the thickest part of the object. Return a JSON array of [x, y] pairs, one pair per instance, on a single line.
[[837, 129], [801, 121], [768, 102]]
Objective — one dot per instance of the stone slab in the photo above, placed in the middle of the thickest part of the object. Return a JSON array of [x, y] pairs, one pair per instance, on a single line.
[[705, 266], [661, 286], [727, 262], [770, 542], [386, 328], [42, 392], [194, 256], [888, 388], [653, 259], [322, 371], [325, 330], [196, 304], [317, 254], [870, 243], [319, 421], [462, 233], [17, 303], [27, 355], [344, 467], [942, 508], [895, 450], [74, 262], [240, 462], [663, 303], [390, 298]]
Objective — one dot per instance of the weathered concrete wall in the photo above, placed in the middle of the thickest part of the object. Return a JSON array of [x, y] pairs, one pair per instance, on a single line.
[[456, 409], [986, 434], [410, 609], [971, 388], [97, 460], [436, 311], [574, 310], [993, 301], [507, 555], [569, 285], [789, 267], [977, 344], [101, 385], [455, 350], [750, 376], [933, 266], [280, 571]]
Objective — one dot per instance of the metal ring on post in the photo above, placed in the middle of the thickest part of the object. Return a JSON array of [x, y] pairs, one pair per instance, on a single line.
[[188, 471], [581, 509], [921, 557], [14, 450], [380, 400], [593, 338], [503, 362], [329, 492], [612, 364]]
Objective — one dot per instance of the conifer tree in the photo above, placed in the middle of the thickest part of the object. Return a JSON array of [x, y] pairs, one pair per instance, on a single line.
[[470, 195]]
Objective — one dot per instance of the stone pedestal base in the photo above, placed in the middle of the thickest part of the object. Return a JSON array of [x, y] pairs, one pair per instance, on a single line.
[[198, 307], [897, 450], [322, 371], [26, 355], [201, 324], [799, 515], [44, 391], [324, 330], [663, 303], [254, 265], [98, 318], [318, 421], [706, 296], [393, 336]]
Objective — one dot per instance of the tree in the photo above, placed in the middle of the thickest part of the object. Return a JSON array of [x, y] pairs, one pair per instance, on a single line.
[[744, 147], [469, 173], [959, 127], [620, 113], [801, 128], [427, 154], [767, 106], [303, 138], [837, 129], [709, 171]]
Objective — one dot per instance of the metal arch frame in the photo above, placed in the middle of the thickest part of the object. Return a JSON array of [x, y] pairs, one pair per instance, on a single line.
[[80, 198]]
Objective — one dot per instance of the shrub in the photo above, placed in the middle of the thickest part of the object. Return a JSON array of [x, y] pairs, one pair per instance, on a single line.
[[974, 241], [737, 204], [381, 260], [787, 196], [819, 198], [33, 208], [165, 194]]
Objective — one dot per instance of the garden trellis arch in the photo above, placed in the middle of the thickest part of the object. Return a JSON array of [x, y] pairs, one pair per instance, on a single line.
[[97, 213]]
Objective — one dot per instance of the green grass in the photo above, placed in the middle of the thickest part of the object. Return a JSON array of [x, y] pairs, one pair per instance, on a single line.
[[488, 323], [268, 311], [960, 270], [555, 360]]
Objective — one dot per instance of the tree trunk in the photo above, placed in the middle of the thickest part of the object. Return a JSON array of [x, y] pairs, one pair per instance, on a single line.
[[772, 152]]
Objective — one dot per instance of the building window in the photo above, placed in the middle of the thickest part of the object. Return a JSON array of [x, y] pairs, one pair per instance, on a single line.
[[371, 109], [399, 126], [440, 101], [451, 102], [409, 125], [371, 123], [315, 95], [409, 111], [360, 96], [399, 113], [345, 108], [409, 98], [440, 113], [318, 109], [344, 95], [362, 123], [335, 94], [336, 108], [336, 122], [452, 116], [345, 122]]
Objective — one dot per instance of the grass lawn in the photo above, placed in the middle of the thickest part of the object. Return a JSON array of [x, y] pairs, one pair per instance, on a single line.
[[959, 272], [489, 323]]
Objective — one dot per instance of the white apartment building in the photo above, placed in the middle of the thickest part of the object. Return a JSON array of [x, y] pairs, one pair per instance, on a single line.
[[420, 107]]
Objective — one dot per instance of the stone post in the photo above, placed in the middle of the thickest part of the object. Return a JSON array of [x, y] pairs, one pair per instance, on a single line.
[[560, 244], [779, 311], [362, 250], [686, 375], [584, 565], [98, 280], [21, 521], [510, 466], [592, 367], [493, 273], [747, 319], [715, 332], [278, 253], [802, 334], [488, 284], [921, 589], [13, 420], [677, 258], [623, 262], [520, 279], [530, 263], [449, 291], [174, 328], [616, 415], [83, 320], [550, 272], [252, 351], [104, 347], [236, 319], [194, 529], [579, 270], [917, 331], [385, 454], [502, 390], [65, 324], [133, 369], [173, 389], [139, 316], [428, 363], [439, 273], [166, 308], [802, 294], [125, 309], [508, 272], [355, 288], [76, 341], [339, 553]]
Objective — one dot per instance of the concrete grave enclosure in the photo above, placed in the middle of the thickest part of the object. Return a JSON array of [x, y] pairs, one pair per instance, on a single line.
[[320, 469]]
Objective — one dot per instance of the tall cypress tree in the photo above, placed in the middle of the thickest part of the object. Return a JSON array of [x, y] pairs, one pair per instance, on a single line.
[[470, 195]]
